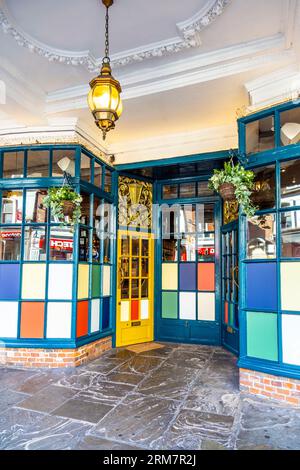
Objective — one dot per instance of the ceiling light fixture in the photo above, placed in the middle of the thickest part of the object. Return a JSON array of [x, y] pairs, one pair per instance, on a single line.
[[104, 98]]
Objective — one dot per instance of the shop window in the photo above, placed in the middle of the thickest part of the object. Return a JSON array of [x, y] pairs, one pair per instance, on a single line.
[[38, 163], [264, 193], [260, 135], [12, 207], [145, 247], [63, 161], [205, 218], [97, 214], [108, 181], [84, 242], [98, 174], [35, 244], [290, 183], [290, 234], [203, 190], [13, 164], [188, 248], [61, 244], [261, 237], [206, 247], [125, 246], [290, 127], [169, 250], [85, 168], [35, 211], [10, 244], [96, 247], [170, 191], [187, 221], [187, 190], [107, 250], [170, 219], [85, 209]]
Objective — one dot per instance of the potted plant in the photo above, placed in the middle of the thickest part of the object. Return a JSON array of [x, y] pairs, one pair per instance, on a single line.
[[64, 202], [234, 182]]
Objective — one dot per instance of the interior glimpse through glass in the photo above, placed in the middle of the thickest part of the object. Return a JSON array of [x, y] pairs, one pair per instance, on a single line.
[[261, 237], [290, 183], [13, 164], [260, 135]]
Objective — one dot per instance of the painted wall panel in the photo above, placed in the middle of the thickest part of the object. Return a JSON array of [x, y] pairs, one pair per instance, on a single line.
[[32, 319], [262, 336], [187, 309], [106, 290], [169, 276], [59, 315], [9, 281], [206, 307], [261, 286], [187, 274], [60, 281], [290, 282], [34, 281], [291, 339], [83, 281], [9, 319], [95, 315]]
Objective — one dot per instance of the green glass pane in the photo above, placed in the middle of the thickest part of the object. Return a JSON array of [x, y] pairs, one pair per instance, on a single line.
[[169, 305], [96, 281], [262, 336], [231, 315]]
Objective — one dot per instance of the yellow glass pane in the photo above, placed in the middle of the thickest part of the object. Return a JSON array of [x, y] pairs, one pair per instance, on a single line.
[[34, 281], [83, 281], [169, 277]]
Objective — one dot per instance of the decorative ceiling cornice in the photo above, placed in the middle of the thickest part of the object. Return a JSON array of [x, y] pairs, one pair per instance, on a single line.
[[188, 38]]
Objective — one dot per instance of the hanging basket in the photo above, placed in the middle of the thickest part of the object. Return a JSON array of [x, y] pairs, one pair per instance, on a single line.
[[68, 208], [227, 192]]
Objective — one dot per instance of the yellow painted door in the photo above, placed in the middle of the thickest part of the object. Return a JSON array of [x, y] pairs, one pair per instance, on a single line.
[[134, 288]]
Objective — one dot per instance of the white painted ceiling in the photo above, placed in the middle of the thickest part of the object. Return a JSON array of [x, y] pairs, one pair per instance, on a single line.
[[185, 67]]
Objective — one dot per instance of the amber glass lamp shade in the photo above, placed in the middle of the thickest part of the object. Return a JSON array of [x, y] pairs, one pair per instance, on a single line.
[[104, 99]]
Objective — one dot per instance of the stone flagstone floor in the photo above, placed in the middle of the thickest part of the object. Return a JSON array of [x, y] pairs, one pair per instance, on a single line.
[[178, 397]]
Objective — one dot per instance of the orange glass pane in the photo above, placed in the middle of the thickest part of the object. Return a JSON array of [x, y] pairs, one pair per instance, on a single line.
[[32, 320], [226, 321], [206, 277]]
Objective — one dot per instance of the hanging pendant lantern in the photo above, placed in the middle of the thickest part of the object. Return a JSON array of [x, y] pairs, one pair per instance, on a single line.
[[104, 98]]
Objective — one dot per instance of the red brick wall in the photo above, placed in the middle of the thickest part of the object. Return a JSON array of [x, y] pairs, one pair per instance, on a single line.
[[54, 358], [269, 386]]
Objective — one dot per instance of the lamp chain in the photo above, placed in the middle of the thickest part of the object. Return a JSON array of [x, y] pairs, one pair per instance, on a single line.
[[106, 58]]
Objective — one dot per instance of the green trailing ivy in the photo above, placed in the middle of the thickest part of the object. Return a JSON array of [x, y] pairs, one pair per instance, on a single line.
[[241, 179], [55, 200]]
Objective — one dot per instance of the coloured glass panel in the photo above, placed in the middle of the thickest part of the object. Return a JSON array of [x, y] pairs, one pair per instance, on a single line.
[[290, 339], [96, 281], [59, 316], [106, 280], [34, 281], [105, 313], [9, 281], [206, 277], [83, 281], [290, 291], [125, 311], [95, 315], [226, 316], [82, 324], [9, 319], [135, 309], [262, 336], [169, 277], [206, 307], [169, 305], [187, 274], [187, 309], [32, 319], [261, 286], [144, 309], [60, 281]]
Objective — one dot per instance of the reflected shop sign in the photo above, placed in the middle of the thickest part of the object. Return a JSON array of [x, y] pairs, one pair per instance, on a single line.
[[59, 244], [10, 235]]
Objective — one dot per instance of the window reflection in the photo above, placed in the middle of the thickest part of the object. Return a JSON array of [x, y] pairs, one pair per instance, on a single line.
[[13, 164], [169, 250], [35, 244], [98, 175], [38, 163], [85, 168], [61, 244], [290, 234], [85, 209], [107, 181], [203, 190], [290, 127], [290, 183], [261, 237], [63, 161], [35, 211], [187, 190], [10, 244], [206, 247], [205, 217], [187, 221], [12, 207], [170, 219], [170, 191], [188, 249], [264, 193], [260, 135]]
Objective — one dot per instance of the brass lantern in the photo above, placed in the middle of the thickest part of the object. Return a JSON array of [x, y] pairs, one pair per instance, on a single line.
[[104, 98]]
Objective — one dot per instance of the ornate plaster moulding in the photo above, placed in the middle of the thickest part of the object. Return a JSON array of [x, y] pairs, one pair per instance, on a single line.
[[188, 38]]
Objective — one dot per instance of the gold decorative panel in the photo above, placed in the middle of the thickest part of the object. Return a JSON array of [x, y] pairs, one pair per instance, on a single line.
[[135, 203], [230, 211]]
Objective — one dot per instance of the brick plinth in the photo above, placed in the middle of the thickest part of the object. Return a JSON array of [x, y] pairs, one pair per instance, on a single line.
[[281, 389], [53, 358]]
